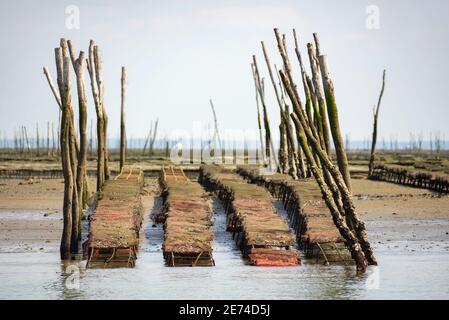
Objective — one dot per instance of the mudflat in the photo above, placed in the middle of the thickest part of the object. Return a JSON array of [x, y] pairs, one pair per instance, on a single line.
[[31, 215]]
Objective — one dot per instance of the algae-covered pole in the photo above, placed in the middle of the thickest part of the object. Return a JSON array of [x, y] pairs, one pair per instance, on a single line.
[[339, 221], [323, 125], [284, 128], [374, 138], [122, 121], [346, 198], [282, 153], [332, 112]]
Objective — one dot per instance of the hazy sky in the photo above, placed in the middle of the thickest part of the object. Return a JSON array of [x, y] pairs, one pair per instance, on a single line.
[[178, 54]]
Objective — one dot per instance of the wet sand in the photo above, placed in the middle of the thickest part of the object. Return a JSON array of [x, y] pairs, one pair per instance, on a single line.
[[31, 213], [402, 219]]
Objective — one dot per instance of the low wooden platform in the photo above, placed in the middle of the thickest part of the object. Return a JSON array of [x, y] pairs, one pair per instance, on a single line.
[[317, 235], [187, 220], [262, 235], [114, 226]]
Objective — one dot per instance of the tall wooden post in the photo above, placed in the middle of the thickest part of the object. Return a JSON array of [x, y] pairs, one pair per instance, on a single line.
[[53, 146], [259, 123], [374, 138], [37, 139], [269, 147], [48, 138], [153, 138], [332, 112], [216, 132], [63, 80], [122, 121], [287, 145], [91, 66], [78, 66], [346, 198]]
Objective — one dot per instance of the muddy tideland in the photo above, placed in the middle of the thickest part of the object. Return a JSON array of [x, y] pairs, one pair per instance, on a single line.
[[408, 227]]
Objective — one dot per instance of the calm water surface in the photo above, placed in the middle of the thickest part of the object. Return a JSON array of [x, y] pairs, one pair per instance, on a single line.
[[401, 274]]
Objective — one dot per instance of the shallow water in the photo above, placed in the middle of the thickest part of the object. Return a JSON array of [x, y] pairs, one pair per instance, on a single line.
[[401, 274]]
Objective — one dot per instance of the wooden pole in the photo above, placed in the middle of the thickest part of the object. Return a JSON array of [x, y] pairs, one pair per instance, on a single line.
[[323, 126], [37, 139], [147, 140], [63, 81], [26, 139], [122, 121], [153, 139], [91, 67], [91, 139], [258, 118], [53, 146], [81, 185], [48, 138], [358, 225], [351, 240], [72, 145], [269, 143], [216, 132], [332, 112], [374, 138], [282, 129]]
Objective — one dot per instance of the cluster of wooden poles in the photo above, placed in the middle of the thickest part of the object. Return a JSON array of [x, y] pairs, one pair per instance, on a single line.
[[315, 122], [43, 146], [73, 148]]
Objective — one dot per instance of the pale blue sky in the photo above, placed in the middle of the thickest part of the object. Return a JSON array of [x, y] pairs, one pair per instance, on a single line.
[[181, 53]]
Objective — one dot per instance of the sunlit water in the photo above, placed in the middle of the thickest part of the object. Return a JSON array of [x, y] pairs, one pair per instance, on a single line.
[[401, 274]]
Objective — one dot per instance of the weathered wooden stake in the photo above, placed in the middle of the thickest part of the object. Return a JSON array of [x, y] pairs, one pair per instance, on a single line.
[[97, 97], [81, 185], [332, 112], [122, 121], [48, 138], [259, 123], [216, 132], [63, 80], [374, 138], [358, 225], [153, 139], [268, 141]]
